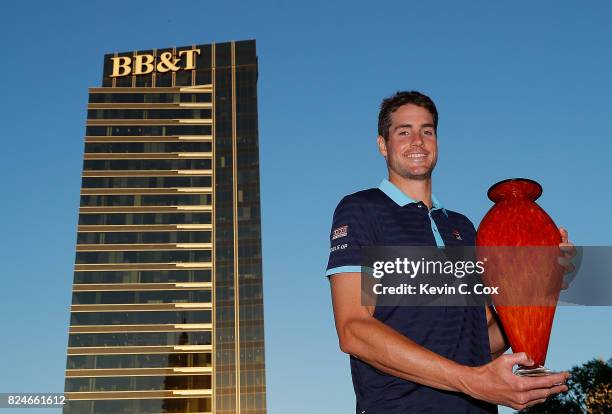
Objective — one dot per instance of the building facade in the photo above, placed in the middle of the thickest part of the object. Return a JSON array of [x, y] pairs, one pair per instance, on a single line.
[[167, 308]]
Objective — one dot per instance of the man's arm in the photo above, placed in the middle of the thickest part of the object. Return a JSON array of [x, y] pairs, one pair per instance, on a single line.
[[377, 344]]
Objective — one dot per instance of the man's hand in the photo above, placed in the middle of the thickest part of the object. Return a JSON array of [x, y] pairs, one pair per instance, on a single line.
[[569, 251], [496, 383]]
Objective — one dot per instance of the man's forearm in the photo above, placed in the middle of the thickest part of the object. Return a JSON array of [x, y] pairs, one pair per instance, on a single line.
[[388, 351]]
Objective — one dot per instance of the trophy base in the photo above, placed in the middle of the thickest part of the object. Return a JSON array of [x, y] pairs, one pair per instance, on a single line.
[[538, 371]]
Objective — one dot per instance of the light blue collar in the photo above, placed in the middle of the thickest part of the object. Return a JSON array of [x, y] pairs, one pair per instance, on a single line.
[[402, 199]]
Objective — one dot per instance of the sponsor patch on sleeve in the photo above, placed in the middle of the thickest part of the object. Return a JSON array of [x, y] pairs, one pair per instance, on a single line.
[[340, 232]]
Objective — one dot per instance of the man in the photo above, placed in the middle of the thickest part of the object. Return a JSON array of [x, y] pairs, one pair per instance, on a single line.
[[408, 359]]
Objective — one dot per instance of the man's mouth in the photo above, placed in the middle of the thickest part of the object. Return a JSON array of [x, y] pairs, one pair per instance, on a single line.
[[416, 156]]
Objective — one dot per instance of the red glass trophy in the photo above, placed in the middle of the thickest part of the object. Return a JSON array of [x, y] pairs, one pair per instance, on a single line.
[[519, 243]]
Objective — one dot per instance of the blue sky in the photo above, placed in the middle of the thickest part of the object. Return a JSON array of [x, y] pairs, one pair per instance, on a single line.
[[522, 90]]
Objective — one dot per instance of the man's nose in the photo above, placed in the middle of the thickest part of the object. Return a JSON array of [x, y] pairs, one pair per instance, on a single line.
[[417, 140]]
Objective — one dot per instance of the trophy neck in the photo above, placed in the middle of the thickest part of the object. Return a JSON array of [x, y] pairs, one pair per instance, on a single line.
[[515, 188]]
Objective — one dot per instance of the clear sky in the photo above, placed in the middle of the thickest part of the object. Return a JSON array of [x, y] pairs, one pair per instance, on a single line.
[[522, 88]]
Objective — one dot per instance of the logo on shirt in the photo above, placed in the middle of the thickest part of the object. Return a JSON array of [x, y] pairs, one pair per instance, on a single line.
[[338, 247], [457, 235], [340, 232]]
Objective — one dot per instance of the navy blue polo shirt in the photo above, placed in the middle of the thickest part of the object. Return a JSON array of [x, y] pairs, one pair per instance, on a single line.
[[385, 216]]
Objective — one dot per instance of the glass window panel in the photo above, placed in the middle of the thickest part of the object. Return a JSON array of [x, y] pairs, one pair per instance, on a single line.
[[245, 52], [146, 182], [124, 81], [149, 296], [153, 130], [78, 384], [173, 256], [183, 78], [143, 218], [79, 362], [204, 58], [130, 406], [182, 164], [139, 361], [163, 79], [140, 339], [158, 97], [147, 200], [144, 81], [223, 54], [200, 113], [109, 384], [203, 77], [144, 147], [144, 237], [139, 318], [157, 276]]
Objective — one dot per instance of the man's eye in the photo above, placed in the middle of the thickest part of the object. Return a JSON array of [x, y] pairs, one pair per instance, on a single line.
[[403, 132], [428, 132]]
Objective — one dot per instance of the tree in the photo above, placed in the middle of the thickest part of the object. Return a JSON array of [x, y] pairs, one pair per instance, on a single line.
[[590, 392]]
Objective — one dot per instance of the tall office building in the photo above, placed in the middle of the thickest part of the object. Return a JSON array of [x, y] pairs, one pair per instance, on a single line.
[[167, 312]]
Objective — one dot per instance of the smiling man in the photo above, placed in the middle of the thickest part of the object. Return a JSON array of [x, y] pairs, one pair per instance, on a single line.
[[408, 359]]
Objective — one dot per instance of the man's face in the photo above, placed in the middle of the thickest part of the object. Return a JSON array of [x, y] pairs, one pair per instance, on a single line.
[[411, 150]]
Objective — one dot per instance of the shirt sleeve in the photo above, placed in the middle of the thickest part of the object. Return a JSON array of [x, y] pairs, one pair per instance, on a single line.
[[350, 231]]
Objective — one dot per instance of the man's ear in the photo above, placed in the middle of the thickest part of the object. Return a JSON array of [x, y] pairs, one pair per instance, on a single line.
[[382, 146]]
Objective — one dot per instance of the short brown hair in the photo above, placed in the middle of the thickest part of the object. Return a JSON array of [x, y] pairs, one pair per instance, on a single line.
[[392, 103]]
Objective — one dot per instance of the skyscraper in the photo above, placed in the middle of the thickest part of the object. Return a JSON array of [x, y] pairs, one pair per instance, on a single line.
[[167, 309]]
